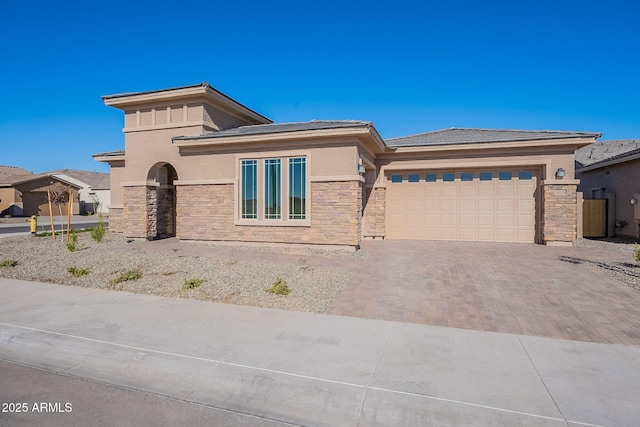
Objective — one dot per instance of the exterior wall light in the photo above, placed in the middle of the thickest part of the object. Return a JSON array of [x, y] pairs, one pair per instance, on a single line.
[[361, 169], [560, 173], [634, 201]]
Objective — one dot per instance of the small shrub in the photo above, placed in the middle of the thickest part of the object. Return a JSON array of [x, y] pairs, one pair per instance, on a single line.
[[8, 263], [78, 272], [279, 287], [128, 276], [192, 283], [73, 244], [98, 232], [636, 252]]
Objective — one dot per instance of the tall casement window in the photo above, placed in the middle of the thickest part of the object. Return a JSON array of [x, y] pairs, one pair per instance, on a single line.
[[297, 187], [272, 189], [249, 196]]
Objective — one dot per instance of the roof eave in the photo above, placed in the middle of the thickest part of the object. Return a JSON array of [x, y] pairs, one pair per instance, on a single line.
[[547, 142], [127, 100], [212, 141]]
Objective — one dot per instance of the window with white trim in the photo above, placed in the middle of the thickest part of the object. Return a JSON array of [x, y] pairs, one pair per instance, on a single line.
[[269, 191], [297, 187], [249, 192]]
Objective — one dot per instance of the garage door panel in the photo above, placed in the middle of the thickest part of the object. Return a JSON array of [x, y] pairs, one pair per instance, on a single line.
[[465, 233], [505, 205], [485, 220], [448, 220], [505, 190], [466, 220], [448, 233], [466, 191], [486, 189], [486, 205], [430, 190], [448, 189], [496, 210], [524, 221]]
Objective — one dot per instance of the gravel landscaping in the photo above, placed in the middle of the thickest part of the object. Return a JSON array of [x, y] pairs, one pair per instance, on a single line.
[[627, 272], [226, 280]]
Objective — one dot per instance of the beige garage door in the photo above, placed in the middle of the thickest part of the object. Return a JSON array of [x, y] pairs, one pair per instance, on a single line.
[[495, 206]]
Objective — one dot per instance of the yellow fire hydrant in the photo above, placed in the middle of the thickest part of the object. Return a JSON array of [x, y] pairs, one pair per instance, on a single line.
[[33, 223]]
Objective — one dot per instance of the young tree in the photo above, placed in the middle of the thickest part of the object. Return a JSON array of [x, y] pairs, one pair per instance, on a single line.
[[59, 197]]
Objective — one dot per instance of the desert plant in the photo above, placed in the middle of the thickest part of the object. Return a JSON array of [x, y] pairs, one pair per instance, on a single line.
[[636, 252], [128, 276], [192, 283], [98, 232], [78, 272], [73, 244], [8, 263], [279, 287]]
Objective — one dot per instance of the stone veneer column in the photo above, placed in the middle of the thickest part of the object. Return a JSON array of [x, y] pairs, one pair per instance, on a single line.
[[166, 224], [116, 220], [151, 212], [140, 211], [380, 194], [560, 212]]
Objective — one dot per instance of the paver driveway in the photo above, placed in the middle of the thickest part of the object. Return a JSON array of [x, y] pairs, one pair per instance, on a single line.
[[513, 288]]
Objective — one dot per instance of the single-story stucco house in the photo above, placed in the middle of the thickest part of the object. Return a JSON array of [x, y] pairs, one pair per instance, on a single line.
[[23, 193], [611, 170], [199, 165]]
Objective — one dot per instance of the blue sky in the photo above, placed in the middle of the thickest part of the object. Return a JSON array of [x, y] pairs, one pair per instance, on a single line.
[[408, 66]]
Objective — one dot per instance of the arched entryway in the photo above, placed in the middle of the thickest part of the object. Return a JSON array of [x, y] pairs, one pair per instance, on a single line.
[[161, 203]]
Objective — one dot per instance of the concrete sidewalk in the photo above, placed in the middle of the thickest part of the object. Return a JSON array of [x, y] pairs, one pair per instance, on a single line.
[[308, 369]]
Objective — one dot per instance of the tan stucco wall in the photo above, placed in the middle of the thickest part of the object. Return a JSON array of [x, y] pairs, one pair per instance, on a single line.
[[10, 202], [623, 179]]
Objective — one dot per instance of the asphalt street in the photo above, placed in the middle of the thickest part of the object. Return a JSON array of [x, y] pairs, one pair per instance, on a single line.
[[32, 396]]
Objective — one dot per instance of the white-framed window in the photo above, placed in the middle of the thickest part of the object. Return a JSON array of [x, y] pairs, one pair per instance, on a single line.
[[271, 192], [249, 189]]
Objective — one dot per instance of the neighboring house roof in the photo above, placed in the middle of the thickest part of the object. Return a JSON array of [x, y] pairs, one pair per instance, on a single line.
[[279, 128], [472, 136], [7, 171], [104, 184], [92, 179], [604, 153], [12, 181]]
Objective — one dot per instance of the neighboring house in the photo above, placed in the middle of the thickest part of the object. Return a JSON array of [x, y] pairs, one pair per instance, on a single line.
[[611, 170], [94, 196], [199, 165], [23, 193]]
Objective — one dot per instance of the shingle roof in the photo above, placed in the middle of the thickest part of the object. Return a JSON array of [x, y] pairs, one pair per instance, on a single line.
[[7, 171], [109, 154], [94, 179], [603, 151], [279, 128], [14, 180], [471, 136]]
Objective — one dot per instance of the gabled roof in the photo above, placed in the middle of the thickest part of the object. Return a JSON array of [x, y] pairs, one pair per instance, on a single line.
[[472, 136], [279, 128], [606, 152], [93, 179], [14, 180]]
